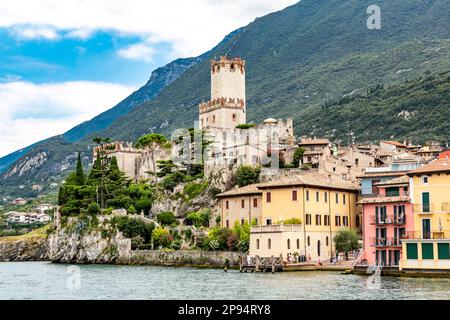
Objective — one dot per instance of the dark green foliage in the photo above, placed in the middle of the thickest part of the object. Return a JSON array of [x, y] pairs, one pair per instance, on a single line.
[[298, 157], [165, 167], [132, 228], [192, 190], [199, 218], [418, 110], [346, 241], [93, 208], [143, 205], [171, 181], [166, 218], [245, 126], [132, 210], [247, 175], [80, 178]]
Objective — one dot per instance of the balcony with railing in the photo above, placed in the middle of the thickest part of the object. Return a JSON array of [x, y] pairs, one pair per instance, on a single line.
[[388, 220], [276, 228], [429, 208], [385, 242], [427, 235]]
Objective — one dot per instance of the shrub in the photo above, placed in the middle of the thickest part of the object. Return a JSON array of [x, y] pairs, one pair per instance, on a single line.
[[176, 245], [161, 237], [166, 218], [143, 205], [200, 218], [291, 221], [245, 126], [136, 242], [213, 192], [247, 175], [132, 228], [192, 190], [132, 210], [93, 208]]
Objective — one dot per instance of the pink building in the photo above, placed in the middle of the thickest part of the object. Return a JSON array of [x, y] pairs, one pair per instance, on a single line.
[[387, 217]]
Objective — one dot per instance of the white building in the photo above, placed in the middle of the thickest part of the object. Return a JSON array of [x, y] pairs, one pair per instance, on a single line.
[[27, 218], [42, 208]]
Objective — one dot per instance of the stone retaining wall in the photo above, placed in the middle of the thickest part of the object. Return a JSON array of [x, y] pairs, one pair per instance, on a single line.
[[211, 259]]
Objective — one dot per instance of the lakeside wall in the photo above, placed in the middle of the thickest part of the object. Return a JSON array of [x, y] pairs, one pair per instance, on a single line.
[[181, 258]]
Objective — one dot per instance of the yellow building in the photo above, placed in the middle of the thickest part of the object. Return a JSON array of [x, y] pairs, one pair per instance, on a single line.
[[428, 246], [241, 204], [324, 204]]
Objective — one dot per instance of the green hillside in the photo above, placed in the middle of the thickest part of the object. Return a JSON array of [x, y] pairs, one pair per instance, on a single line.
[[308, 53], [418, 110], [297, 59]]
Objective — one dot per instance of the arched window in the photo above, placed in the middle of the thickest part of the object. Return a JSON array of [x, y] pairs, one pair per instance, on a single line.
[[298, 243], [257, 244], [269, 244], [309, 241], [328, 241], [289, 244]]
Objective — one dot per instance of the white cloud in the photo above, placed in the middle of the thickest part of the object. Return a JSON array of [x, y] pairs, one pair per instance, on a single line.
[[33, 112], [138, 52], [192, 27], [35, 32]]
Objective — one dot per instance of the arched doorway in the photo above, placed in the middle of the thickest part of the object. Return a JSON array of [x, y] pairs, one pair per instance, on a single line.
[[318, 248]]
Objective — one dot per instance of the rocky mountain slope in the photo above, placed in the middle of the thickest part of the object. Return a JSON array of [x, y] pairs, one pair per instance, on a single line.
[[297, 58]]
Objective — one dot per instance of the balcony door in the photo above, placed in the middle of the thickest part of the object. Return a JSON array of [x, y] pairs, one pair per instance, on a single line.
[[426, 228]]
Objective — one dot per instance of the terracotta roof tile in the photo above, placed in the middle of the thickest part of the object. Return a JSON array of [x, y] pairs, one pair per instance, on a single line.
[[247, 190], [395, 143], [310, 179], [439, 165], [307, 142], [395, 181]]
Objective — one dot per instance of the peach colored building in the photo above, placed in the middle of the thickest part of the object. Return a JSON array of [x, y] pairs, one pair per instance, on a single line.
[[387, 217], [240, 204]]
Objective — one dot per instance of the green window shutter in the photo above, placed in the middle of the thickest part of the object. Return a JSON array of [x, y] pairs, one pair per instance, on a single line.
[[426, 202], [427, 251], [444, 251], [411, 251]]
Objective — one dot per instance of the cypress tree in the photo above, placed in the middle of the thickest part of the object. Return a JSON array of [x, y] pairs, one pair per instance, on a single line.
[[80, 178]]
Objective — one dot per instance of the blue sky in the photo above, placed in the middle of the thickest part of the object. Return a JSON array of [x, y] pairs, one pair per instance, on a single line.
[[96, 59], [64, 62]]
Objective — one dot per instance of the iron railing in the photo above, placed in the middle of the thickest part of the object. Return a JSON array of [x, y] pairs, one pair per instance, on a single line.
[[386, 242], [391, 219], [427, 235]]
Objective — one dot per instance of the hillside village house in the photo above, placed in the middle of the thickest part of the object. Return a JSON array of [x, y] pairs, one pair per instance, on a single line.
[[44, 207], [324, 205], [428, 246], [27, 218]]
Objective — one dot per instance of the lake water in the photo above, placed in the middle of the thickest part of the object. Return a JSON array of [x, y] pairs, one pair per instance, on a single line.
[[36, 280]]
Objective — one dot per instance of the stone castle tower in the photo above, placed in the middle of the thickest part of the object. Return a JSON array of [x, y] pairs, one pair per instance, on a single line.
[[227, 108]]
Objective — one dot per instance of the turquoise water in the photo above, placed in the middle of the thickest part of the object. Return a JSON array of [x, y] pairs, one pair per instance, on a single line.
[[36, 280]]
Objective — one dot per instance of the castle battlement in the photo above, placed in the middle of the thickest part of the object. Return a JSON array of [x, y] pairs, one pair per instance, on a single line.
[[230, 103], [229, 64]]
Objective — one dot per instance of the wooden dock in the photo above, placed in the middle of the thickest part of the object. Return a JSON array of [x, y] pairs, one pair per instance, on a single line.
[[258, 264], [276, 264]]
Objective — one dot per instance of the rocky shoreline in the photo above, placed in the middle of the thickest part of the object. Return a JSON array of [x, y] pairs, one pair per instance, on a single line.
[[61, 247]]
